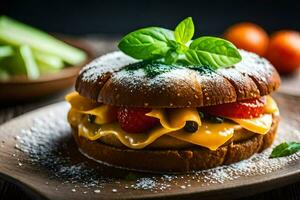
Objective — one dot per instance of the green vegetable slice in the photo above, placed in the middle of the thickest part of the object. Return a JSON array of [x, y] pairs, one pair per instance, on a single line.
[[6, 51], [21, 63], [32, 69], [16, 33], [48, 60]]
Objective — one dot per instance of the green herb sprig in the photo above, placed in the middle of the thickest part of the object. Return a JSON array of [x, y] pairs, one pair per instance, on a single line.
[[177, 47], [285, 149]]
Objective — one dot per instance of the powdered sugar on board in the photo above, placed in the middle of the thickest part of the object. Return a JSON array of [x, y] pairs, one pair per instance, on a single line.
[[48, 144]]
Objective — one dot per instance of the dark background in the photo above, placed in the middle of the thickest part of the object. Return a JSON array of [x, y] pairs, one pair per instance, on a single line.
[[114, 18]]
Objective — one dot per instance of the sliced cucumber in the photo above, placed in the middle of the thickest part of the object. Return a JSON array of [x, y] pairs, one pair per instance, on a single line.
[[21, 63], [48, 60], [6, 51], [32, 69], [14, 65], [46, 69], [15, 33]]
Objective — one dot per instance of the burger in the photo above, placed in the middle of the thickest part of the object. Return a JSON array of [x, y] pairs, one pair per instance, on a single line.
[[167, 103]]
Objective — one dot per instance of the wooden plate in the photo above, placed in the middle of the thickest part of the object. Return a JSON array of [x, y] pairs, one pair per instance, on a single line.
[[20, 88], [38, 153]]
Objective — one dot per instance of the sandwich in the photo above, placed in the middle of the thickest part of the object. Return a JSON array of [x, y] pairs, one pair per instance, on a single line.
[[167, 103]]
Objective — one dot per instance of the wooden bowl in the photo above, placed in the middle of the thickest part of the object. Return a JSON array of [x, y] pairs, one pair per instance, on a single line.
[[19, 88]]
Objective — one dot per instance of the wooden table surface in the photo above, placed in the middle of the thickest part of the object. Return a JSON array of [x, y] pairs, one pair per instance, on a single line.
[[9, 191]]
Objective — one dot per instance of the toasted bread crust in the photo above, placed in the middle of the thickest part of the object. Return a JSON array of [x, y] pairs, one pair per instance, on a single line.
[[181, 160], [105, 80]]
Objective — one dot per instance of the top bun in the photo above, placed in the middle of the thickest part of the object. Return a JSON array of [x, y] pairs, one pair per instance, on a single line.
[[116, 79]]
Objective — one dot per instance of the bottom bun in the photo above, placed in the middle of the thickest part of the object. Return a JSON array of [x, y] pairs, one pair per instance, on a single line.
[[182, 160]]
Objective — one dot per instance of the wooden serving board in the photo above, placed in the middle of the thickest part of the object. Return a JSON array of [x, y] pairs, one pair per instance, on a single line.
[[38, 153]]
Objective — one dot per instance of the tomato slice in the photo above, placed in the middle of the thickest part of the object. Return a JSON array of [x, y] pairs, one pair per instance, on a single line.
[[245, 109], [135, 120]]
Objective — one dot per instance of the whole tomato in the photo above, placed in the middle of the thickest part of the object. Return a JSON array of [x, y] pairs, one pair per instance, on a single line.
[[284, 51], [248, 36]]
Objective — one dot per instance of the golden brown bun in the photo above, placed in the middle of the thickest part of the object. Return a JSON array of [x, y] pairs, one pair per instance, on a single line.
[[104, 80], [181, 160]]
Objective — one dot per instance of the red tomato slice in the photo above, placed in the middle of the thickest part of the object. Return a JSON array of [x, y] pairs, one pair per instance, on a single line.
[[246, 109], [135, 120]]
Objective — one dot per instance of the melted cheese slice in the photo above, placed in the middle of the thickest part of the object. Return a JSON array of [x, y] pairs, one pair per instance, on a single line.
[[175, 119], [86, 106], [260, 125], [80, 103], [271, 106], [209, 135], [132, 140]]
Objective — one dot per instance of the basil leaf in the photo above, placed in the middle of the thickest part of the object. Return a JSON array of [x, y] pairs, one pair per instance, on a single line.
[[184, 31], [147, 43], [170, 47], [285, 149], [214, 52], [171, 57], [183, 62]]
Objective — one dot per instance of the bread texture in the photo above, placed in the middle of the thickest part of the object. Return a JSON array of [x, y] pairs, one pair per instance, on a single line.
[[106, 80], [176, 160]]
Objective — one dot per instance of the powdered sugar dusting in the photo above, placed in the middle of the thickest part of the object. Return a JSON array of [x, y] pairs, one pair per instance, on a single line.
[[46, 144], [43, 142], [136, 79], [107, 63], [115, 61], [254, 65]]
